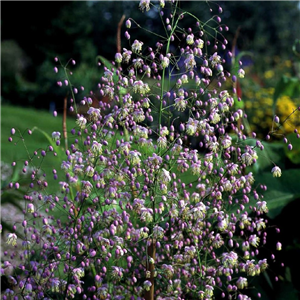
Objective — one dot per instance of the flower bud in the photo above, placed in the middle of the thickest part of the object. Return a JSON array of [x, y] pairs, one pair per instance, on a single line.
[[128, 23]]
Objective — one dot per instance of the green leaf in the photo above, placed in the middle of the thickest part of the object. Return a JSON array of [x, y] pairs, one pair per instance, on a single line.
[[294, 154], [273, 152], [106, 62], [289, 86], [235, 67], [287, 291], [281, 191], [288, 274], [56, 148], [12, 198], [16, 175], [294, 48], [267, 277]]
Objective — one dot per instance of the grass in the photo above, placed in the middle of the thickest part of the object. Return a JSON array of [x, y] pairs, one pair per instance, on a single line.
[[23, 145]]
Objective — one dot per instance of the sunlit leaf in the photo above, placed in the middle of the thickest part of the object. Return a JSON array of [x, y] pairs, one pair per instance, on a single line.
[[288, 86]]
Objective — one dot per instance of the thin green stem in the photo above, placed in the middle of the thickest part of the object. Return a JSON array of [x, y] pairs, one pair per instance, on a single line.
[[164, 70]]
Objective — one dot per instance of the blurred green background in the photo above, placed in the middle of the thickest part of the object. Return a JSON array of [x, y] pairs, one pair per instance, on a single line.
[[33, 33]]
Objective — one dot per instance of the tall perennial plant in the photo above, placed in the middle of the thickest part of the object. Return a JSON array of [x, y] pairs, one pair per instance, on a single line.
[[157, 201]]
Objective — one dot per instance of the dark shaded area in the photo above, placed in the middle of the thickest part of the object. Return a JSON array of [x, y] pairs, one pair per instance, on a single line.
[[33, 33], [288, 222]]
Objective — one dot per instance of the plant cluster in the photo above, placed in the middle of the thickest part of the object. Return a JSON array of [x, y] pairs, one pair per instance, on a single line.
[[140, 213]]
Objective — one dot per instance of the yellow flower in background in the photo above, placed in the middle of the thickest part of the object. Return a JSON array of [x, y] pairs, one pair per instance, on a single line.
[[269, 74], [288, 63], [259, 107], [257, 94], [285, 106]]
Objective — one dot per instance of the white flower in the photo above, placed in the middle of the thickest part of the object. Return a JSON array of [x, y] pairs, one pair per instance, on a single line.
[[78, 272], [200, 43], [229, 260], [108, 74], [140, 87], [55, 135], [137, 63], [215, 117], [190, 39], [30, 208], [134, 157], [276, 171], [242, 283], [164, 176], [184, 78], [190, 62], [94, 113], [162, 142], [12, 239], [215, 59], [96, 148], [162, 3], [254, 240], [241, 73], [180, 103], [147, 70], [109, 91], [89, 171], [262, 206], [191, 126], [126, 55], [146, 215], [117, 273], [144, 4], [247, 159], [147, 285], [223, 224], [138, 115], [226, 142], [137, 46], [260, 224], [158, 232], [81, 122], [140, 131], [164, 131], [165, 62], [118, 57]]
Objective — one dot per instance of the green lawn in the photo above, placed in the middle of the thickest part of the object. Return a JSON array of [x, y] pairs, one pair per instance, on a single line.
[[23, 145]]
